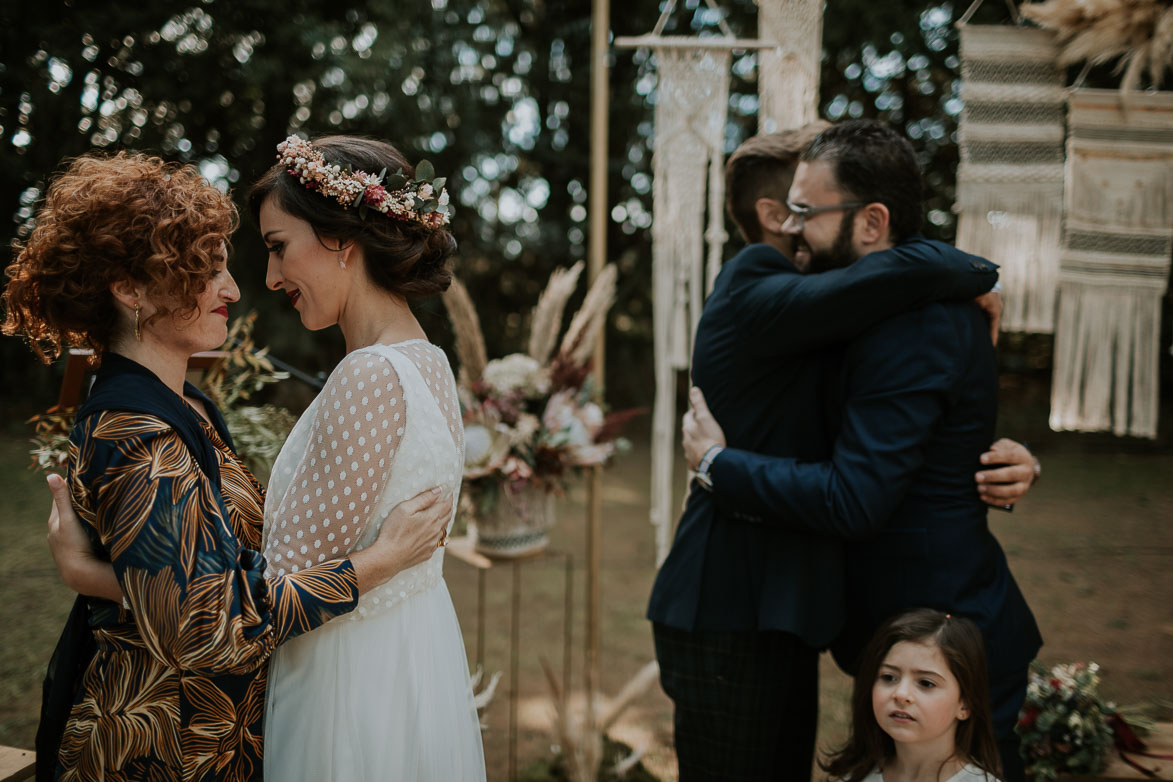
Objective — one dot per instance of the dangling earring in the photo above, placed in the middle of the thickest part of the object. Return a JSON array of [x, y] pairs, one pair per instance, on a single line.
[[138, 327], [341, 263]]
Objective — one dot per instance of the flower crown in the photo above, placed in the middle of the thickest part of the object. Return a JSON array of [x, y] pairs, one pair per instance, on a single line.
[[422, 200]]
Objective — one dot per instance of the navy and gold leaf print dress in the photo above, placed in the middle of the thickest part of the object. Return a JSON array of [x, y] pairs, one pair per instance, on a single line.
[[176, 688]]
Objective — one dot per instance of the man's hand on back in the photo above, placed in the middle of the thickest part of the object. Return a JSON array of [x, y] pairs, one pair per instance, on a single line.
[[1013, 469], [991, 304], [700, 430]]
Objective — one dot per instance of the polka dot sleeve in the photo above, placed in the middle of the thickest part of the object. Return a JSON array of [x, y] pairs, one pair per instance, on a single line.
[[356, 431]]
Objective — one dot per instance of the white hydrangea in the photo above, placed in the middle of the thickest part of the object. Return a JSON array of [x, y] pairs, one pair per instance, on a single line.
[[516, 372]]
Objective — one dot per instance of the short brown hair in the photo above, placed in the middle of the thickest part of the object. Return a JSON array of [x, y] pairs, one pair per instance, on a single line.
[[763, 167], [404, 258], [107, 219]]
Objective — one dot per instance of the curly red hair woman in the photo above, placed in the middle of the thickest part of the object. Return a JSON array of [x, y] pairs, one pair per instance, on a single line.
[[111, 219]]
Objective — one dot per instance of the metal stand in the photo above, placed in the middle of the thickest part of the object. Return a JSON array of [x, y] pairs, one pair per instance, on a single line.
[[463, 549]]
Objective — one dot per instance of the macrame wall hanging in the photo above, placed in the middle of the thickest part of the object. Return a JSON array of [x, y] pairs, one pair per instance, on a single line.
[[788, 74], [688, 194], [1010, 180], [1114, 263]]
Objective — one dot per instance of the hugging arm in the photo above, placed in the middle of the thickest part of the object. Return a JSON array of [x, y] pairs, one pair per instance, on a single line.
[[358, 425], [895, 397], [785, 314]]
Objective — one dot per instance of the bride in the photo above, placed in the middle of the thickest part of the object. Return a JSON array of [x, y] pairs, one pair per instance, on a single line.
[[383, 692]]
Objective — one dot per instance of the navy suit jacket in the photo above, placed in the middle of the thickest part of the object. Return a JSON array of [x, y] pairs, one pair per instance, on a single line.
[[918, 400], [758, 359]]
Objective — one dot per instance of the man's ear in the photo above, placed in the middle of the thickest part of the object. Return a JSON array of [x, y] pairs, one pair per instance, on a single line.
[[872, 223], [772, 213]]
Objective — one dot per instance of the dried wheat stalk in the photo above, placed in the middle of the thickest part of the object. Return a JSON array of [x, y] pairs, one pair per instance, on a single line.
[[547, 317], [470, 340], [579, 343]]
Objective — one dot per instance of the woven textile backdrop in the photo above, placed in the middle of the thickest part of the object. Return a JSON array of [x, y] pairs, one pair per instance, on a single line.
[[1010, 181], [1114, 264], [688, 182], [788, 76]]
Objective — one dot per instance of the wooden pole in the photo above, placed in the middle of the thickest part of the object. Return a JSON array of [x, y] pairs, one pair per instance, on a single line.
[[596, 259]]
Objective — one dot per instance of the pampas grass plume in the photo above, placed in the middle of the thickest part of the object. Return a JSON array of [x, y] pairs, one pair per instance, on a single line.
[[470, 340], [579, 343], [547, 316]]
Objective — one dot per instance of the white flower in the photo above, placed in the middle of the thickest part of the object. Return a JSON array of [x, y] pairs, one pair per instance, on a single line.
[[516, 372], [485, 449], [478, 442]]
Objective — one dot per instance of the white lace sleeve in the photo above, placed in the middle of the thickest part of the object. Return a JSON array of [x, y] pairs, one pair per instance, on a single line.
[[356, 431]]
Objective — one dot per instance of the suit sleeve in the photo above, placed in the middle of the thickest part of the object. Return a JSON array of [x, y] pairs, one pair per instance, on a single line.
[[199, 599], [785, 314], [898, 386]]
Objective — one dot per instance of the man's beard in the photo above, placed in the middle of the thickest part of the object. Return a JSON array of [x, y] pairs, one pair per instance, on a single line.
[[841, 252]]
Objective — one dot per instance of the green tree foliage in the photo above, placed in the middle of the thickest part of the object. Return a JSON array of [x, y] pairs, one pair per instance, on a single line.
[[494, 92]]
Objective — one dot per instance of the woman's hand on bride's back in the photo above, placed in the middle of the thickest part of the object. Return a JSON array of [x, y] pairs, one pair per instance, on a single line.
[[410, 535]]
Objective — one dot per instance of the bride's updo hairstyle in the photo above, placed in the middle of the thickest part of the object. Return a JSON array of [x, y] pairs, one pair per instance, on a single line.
[[403, 257]]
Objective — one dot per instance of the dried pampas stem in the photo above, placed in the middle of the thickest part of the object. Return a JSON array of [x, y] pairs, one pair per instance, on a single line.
[[547, 316], [635, 687], [1140, 32], [470, 340], [579, 343]]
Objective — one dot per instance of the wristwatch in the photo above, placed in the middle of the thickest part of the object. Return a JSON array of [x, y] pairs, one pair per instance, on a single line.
[[702, 471]]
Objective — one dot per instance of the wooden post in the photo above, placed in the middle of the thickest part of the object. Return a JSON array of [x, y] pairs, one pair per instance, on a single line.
[[596, 259]]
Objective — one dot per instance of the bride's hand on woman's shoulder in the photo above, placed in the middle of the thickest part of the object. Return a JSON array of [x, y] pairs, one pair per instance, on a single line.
[[412, 532]]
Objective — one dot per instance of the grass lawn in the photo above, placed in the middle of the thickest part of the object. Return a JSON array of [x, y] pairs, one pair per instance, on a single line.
[[1091, 547]]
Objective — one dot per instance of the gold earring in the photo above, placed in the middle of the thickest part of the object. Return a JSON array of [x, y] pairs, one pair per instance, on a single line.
[[138, 327]]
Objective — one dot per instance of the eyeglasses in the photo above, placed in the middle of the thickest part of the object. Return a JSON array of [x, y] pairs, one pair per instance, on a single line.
[[800, 214]]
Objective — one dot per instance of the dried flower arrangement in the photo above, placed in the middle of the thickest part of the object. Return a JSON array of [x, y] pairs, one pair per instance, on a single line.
[[1139, 32], [530, 418]]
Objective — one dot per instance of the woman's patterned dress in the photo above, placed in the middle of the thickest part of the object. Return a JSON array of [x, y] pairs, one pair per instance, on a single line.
[[177, 687]]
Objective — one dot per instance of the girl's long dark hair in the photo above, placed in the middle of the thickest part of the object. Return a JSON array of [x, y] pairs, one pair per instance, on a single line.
[[961, 645]]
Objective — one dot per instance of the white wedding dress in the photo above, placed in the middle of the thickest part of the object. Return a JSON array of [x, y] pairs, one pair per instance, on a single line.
[[383, 692]]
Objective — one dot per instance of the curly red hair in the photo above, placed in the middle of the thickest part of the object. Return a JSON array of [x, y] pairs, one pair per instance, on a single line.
[[126, 217]]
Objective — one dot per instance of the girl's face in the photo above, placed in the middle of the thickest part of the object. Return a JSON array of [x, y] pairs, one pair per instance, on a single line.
[[916, 698], [310, 274]]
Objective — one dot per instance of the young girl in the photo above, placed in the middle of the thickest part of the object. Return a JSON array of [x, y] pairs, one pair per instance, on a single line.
[[920, 710]]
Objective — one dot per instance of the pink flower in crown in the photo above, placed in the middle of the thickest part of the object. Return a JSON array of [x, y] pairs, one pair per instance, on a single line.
[[375, 195]]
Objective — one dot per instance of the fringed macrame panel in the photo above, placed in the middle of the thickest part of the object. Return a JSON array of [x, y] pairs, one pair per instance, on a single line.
[[1010, 181], [788, 76], [1114, 264], [687, 182]]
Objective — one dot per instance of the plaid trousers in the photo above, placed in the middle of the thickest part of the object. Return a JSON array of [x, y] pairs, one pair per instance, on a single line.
[[746, 703]]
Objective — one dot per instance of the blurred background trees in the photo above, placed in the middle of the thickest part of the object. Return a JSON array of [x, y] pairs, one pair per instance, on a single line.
[[494, 92]]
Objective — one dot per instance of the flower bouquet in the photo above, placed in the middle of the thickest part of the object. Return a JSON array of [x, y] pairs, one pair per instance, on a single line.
[[530, 419], [1063, 723]]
